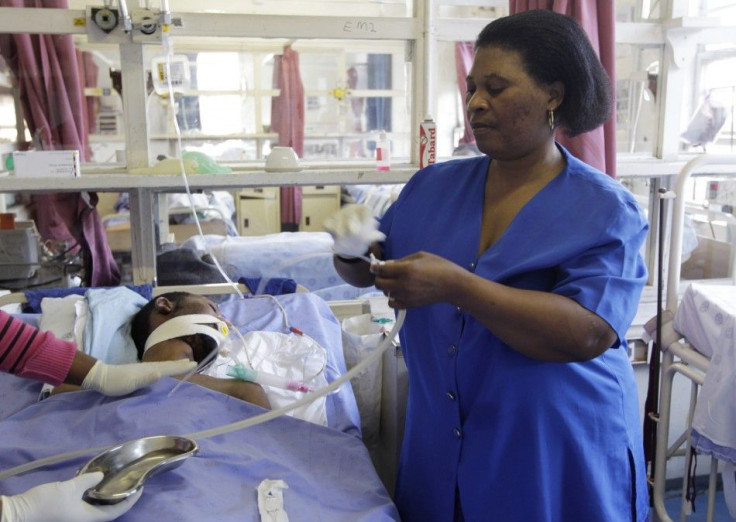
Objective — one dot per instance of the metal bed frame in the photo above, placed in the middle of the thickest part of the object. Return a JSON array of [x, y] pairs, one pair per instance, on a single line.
[[679, 357]]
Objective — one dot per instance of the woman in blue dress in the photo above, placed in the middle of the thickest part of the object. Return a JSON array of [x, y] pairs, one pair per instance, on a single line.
[[520, 273]]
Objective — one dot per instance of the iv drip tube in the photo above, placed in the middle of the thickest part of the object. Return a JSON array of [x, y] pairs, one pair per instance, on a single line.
[[386, 342], [168, 52]]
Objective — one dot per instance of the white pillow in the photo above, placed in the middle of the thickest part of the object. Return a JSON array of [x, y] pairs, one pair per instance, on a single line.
[[58, 316]]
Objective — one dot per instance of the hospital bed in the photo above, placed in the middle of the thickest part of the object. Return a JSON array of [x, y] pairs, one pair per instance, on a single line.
[[377, 197], [697, 331], [214, 210], [327, 469], [305, 257]]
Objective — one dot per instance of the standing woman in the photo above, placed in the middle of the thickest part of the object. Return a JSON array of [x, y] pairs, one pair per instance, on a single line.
[[520, 272]]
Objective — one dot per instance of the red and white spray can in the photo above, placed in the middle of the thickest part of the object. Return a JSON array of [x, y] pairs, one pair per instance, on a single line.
[[427, 141]]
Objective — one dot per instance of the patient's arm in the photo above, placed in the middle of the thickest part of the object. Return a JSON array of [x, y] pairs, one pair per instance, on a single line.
[[246, 391], [175, 349]]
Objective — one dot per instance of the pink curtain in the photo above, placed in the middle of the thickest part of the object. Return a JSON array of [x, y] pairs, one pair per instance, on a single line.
[[463, 62], [287, 118], [597, 17], [47, 73]]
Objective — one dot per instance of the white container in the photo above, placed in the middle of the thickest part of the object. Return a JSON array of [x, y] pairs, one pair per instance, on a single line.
[[383, 152], [427, 141], [282, 159], [46, 163]]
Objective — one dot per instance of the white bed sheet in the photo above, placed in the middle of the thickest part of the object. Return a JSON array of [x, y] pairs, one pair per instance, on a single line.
[[705, 316], [305, 257], [377, 197]]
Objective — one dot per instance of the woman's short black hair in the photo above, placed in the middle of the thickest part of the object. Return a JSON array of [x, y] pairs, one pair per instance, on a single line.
[[140, 326], [555, 48]]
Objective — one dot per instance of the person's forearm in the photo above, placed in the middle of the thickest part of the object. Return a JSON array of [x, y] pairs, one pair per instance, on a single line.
[[356, 271], [81, 365], [27, 352], [541, 325]]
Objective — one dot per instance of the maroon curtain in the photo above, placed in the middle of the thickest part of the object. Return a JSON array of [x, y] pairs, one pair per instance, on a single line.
[[597, 147], [287, 118], [463, 62], [46, 71]]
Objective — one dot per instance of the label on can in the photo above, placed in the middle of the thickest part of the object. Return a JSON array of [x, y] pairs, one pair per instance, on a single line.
[[427, 140]]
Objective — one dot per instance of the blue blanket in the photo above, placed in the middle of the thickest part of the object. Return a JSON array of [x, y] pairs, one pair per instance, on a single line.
[[329, 474]]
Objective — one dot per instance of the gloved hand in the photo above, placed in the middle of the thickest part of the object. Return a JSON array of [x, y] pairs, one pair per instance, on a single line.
[[119, 379], [354, 230], [62, 502]]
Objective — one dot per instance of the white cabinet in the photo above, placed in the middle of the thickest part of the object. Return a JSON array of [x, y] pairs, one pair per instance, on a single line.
[[259, 211], [259, 208], [318, 203]]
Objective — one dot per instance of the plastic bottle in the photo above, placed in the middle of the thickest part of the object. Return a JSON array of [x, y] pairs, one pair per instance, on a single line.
[[383, 152], [427, 141]]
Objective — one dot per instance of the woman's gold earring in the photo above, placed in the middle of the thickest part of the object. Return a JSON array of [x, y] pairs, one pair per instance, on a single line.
[[551, 119]]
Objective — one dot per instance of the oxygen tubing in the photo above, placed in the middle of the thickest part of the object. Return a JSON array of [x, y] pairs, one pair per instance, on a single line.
[[234, 426]]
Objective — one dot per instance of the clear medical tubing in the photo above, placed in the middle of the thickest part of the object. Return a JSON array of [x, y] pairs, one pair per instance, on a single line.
[[385, 343]]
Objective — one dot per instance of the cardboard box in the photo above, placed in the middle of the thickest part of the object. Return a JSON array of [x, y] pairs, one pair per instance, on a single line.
[[47, 164]]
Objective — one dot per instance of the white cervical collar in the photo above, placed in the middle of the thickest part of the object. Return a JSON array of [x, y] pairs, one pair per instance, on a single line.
[[188, 325]]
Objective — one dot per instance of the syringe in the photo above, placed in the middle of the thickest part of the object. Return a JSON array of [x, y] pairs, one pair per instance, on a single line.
[[244, 373]]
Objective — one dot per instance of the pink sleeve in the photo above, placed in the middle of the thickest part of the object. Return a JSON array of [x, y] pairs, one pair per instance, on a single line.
[[27, 352]]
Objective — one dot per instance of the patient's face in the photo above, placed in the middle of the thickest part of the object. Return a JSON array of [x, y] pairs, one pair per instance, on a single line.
[[198, 304], [193, 347], [193, 304]]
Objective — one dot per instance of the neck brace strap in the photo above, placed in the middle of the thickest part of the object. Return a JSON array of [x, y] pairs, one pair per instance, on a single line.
[[188, 325]]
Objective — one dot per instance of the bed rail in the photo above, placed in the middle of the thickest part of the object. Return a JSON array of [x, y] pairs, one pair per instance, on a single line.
[[680, 358]]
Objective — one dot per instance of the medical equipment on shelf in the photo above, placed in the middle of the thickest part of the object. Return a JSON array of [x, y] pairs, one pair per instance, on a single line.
[[177, 73]]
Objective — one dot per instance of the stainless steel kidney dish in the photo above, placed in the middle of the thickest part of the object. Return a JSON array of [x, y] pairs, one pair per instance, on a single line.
[[127, 466]]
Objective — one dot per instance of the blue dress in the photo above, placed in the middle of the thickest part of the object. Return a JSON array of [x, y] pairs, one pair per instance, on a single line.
[[518, 439]]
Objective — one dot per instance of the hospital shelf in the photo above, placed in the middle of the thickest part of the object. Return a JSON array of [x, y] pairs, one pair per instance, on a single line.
[[144, 190], [117, 180]]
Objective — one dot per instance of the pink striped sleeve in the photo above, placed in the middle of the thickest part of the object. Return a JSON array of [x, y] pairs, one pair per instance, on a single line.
[[27, 352]]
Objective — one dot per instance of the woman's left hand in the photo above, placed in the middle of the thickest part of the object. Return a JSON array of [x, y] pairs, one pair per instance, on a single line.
[[417, 280]]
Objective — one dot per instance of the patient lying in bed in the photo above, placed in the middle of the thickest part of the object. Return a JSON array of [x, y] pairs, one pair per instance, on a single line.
[[176, 326], [293, 357], [194, 347]]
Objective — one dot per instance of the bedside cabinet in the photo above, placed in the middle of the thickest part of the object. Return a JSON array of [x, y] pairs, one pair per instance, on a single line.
[[259, 211], [318, 203]]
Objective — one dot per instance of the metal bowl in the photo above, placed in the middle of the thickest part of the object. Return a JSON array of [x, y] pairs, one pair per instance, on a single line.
[[127, 467]]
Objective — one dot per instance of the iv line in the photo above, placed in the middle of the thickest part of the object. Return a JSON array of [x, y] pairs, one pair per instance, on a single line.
[[168, 51], [385, 343]]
